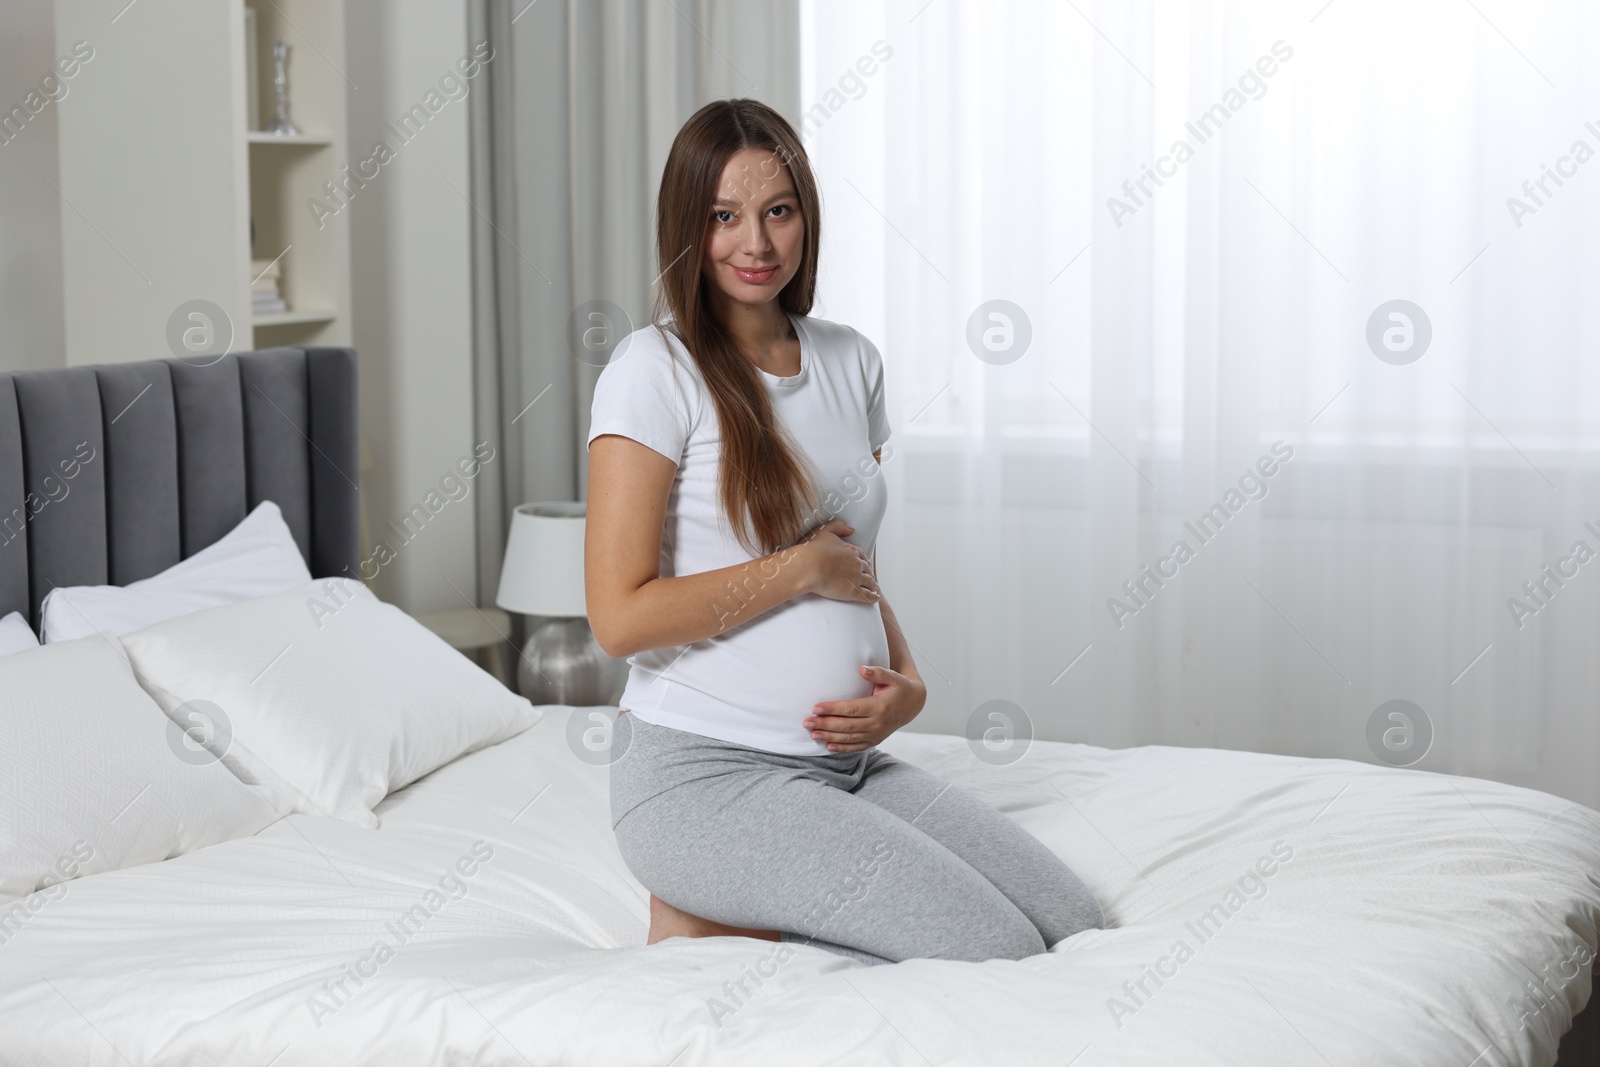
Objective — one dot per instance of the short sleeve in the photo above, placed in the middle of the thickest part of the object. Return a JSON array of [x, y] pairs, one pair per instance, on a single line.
[[877, 405], [641, 395]]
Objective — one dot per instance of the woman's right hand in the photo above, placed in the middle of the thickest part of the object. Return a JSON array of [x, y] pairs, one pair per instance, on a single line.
[[838, 569]]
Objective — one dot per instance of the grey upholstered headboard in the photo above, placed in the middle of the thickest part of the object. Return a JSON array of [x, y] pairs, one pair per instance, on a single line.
[[113, 473]]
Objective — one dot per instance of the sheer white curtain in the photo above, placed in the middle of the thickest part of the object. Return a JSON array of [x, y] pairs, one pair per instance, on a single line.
[[1436, 455]]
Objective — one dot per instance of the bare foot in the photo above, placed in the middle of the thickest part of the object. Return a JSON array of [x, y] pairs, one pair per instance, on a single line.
[[667, 921]]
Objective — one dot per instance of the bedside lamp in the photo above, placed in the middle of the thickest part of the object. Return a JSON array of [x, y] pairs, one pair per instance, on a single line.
[[542, 577]]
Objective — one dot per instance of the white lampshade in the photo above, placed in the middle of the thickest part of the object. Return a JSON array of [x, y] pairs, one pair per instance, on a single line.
[[543, 569]]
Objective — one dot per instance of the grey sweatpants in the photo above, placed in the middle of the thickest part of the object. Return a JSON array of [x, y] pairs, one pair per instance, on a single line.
[[854, 852]]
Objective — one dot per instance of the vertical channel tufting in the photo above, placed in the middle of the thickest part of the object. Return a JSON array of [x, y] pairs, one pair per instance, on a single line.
[[277, 426], [111, 474], [13, 508], [211, 474], [335, 462], [141, 434], [63, 470]]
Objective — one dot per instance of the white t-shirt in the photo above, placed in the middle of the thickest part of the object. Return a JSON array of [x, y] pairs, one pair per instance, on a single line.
[[755, 682]]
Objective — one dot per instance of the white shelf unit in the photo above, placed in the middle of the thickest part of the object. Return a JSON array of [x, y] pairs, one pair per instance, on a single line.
[[288, 174], [162, 175], [258, 137], [294, 318]]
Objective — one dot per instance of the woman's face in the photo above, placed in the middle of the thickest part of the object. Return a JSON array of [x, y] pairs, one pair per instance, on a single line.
[[755, 237]]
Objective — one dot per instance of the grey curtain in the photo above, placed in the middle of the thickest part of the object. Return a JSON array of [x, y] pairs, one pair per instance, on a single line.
[[585, 97]]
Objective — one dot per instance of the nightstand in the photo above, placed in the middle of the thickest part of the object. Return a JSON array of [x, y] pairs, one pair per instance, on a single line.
[[483, 635]]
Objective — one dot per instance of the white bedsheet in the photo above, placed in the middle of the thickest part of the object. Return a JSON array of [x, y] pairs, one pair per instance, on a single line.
[[1412, 925]]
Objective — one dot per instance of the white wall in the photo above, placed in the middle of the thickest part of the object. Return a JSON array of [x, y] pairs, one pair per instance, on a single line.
[[411, 294], [31, 322], [153, 189]]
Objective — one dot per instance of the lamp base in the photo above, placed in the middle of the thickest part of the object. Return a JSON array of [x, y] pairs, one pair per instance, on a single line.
[[562, 663]]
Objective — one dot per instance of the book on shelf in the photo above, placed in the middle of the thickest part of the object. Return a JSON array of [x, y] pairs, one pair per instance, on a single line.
[[265, 297]]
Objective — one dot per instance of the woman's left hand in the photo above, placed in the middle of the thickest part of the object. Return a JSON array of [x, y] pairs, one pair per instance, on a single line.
[[855, 725]]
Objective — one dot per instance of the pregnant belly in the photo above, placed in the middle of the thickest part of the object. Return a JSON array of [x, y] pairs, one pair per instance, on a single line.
[[808, 650]]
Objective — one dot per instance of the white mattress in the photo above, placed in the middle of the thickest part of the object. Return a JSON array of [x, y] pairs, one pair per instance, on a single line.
[[1412, 925]]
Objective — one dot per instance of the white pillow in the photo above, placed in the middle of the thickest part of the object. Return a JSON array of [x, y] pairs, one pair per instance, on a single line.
[[16, 635], [93, 777], [256, 558], [335, 698]]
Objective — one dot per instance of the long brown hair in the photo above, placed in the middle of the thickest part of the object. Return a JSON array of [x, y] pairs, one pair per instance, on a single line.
[[764, 485]]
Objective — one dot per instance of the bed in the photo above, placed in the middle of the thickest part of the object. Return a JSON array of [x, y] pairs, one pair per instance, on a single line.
[[1261, 909]]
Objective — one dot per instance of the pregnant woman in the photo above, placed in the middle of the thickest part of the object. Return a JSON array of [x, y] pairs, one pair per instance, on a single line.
[[734, 501]]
